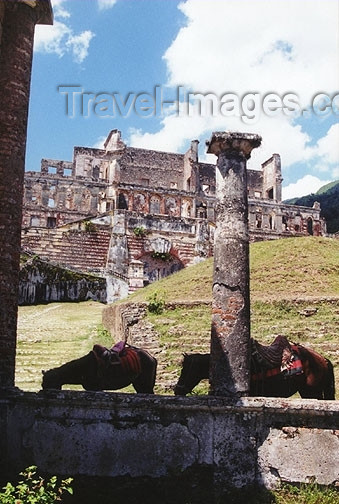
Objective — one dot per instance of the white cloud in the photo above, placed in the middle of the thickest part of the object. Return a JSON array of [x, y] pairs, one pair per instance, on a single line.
[[79, 45], [106, 4], [244, 46], [328, 146], [99, 144], [306, 185], [51, 39], [60, 38], [59, 10], [325, 154]]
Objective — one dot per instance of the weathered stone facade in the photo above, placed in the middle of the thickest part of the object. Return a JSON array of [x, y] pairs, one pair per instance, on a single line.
[[44, 282], [158, 207]]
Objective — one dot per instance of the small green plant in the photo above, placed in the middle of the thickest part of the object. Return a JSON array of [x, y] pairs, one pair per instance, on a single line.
[[163, 256], [307, 493], [90, 227], [33, 489], [156, 303], [139, 231], [104, 336]]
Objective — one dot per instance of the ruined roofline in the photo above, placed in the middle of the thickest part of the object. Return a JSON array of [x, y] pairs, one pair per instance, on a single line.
[[141, 149], [121, 148], [115, 140], [107, 154], [271, 203], [274, 156], [78, 149]]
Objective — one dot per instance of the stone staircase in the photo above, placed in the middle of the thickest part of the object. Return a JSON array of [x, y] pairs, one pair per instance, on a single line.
[[128, 321], [81, 250], [135, 246]]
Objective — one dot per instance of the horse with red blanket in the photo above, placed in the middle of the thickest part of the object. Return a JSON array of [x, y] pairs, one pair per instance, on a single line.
[[278, 370], [106, 369]]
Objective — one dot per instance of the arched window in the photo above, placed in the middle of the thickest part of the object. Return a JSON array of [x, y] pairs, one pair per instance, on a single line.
[[35, 221], [123, 201], [154, 206]]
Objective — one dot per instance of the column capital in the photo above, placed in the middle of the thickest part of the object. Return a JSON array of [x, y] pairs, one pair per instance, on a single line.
[[233, 141], [43, 10]]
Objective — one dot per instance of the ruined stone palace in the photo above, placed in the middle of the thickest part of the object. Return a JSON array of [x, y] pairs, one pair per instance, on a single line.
[[137, 215]]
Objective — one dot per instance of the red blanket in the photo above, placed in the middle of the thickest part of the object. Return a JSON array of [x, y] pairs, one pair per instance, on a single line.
[[122, 355], [290, 366]]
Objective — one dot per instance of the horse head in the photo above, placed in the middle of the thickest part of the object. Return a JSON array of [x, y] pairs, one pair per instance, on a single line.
[[50, 380], [195, 367], [181, 387]]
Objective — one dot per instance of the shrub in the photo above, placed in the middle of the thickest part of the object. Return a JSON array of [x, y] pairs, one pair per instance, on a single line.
[[33, 489], [90, 227], [163, 256], [139, 231], [156, 303]]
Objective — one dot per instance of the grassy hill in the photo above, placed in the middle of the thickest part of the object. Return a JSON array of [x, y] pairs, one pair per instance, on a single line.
[[289, 268], [287, 276]]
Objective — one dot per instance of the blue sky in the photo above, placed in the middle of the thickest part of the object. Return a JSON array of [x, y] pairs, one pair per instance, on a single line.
[[115, 53]]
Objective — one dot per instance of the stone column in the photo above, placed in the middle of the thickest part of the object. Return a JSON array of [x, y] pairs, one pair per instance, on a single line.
[[230, 335], [16, 48]]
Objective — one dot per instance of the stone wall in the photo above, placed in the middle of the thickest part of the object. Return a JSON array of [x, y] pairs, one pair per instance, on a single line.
[[42, 282], [166, 449], [119, 318], [113, 244], [269, 220]]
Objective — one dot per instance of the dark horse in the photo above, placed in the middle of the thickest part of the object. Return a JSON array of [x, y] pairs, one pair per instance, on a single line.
[[135, 366], [314, 379]]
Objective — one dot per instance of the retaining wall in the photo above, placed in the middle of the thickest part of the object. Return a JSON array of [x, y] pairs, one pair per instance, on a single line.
[[44, 282], [123, 447]]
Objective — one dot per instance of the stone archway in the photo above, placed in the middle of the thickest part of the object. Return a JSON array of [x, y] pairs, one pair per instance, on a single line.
[[159, 259], [159, 265]]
